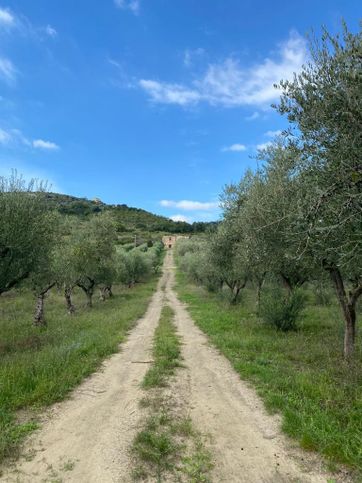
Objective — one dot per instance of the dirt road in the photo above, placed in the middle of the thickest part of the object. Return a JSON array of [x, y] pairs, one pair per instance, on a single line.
[[87, 438]]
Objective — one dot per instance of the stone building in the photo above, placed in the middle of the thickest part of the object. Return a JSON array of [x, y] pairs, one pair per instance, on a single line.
[[169, 241]]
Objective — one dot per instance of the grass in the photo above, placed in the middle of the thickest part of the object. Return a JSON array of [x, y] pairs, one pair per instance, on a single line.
[[301, 374], [166, 351], [41, 366], [167, 444]]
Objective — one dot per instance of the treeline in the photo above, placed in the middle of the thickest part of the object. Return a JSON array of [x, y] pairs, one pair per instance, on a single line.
[[40, 249], [298, 217], [127, 218]]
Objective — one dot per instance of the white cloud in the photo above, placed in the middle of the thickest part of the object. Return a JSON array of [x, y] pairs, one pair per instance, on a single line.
[[7, 19], [15, 138], [51, 31], [235, 148], [188, 205], [169, 93], [11, 136], [187, 219], [46, 145], [230, 84], [5, 137], [273, 134], [7, 70], [132, 5], [263, 146]]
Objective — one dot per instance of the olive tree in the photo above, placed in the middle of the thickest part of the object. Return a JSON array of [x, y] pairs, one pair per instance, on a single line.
[[324, 106], [94, 252], [132, 266], [25, 229], [227, 257]]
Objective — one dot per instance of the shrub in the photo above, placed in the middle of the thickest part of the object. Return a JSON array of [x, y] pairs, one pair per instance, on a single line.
[[282, 311]]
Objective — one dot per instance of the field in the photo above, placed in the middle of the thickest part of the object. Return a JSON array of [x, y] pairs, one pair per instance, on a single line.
[[301, 374], [39, 367]]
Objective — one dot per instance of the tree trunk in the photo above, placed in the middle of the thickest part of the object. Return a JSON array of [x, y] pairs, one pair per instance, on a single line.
[[287, 283], [102, 294], [258, 294], [88, 290], [89, 295], [348, 305], [236, 292], [39, 319], [68, 300]]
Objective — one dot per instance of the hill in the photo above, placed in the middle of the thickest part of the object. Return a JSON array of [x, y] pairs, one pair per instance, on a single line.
[[129, 219]]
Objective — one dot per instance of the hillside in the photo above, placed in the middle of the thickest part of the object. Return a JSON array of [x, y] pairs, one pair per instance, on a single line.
[[129, 219]]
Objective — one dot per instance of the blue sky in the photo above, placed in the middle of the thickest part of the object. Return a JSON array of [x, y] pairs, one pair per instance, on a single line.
[[153, 103]]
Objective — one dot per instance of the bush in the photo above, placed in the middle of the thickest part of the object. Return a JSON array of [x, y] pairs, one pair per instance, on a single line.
[[281, 311]]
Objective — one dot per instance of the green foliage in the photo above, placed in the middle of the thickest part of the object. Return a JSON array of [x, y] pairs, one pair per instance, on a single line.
[[127, 219], [281, 311], [25, 230], [299, 214]]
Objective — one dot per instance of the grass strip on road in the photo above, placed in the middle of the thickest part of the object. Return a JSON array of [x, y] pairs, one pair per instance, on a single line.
[[167, 444], [166, 351]]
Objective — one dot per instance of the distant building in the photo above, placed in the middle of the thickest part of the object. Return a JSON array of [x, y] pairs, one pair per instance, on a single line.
[[98, 201], [170, 240]]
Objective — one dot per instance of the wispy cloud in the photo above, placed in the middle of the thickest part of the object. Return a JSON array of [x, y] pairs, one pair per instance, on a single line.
[[7, 19], [51, 31], [230, 84], [253, 116], [234, 148], [191, 54], [15, 138], [189, 205], [165, 93], [8, 71], [131, 5], [5, 137], [45, 145]]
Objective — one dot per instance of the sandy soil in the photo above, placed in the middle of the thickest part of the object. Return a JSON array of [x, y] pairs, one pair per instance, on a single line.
[[87, 438]]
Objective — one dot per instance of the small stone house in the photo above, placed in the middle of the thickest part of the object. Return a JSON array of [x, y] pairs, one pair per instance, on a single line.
[[169, 241]]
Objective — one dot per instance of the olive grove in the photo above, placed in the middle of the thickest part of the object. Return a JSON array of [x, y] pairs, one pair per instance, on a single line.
[[299, 215], [41, 250]]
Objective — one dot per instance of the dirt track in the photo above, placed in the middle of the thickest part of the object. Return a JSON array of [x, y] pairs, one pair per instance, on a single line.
[[87, 438]]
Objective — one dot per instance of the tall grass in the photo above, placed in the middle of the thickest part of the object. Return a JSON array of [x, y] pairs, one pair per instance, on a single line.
[[39, 367], [300, 374]]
